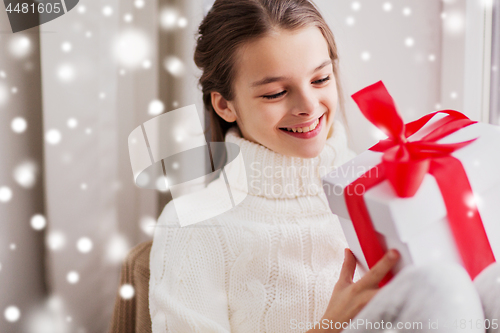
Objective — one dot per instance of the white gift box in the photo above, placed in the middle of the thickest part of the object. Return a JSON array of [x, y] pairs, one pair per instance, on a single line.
[[418, 226]]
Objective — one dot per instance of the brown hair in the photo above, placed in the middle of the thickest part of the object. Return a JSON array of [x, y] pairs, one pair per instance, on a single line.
[[231, 23]]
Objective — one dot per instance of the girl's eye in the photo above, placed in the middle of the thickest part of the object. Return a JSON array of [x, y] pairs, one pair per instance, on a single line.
[[284, 91], [322, 80], [275, 96]]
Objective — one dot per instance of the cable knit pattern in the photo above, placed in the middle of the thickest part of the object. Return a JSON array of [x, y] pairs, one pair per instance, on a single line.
[[266, 265]]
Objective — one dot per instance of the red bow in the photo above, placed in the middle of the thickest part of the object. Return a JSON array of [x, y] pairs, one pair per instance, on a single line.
[[405, 163]]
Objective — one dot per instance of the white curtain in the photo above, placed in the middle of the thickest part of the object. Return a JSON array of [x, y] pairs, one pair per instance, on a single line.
[[22, 282], [100, 68], [495, 66], [71, 91]]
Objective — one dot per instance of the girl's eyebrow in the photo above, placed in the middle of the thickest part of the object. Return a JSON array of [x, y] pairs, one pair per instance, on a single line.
[[324, 64], [267, 80]]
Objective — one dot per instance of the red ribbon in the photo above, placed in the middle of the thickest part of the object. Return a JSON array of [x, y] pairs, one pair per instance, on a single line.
[[404, 165]]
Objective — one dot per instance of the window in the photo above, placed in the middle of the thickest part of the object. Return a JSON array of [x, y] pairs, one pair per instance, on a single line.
[[495, 66]]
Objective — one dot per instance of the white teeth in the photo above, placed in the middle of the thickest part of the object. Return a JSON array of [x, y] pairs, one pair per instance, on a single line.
[[304, 129]]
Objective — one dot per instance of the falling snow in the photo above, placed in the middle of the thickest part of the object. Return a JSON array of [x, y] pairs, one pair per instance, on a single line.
[[5, 194], [38, 222], [25, 174], [55, 240], [53, 136], [84, 245], [147, 225], [131, 48], [155, 107], [117, 249], [127, 291], [107, 11], [182, 22], [128, 18], [19, 125], [174, 66], [20, 46], [139, 4], [409, 42], [12, 313], [72, 123], [66, 47], [66, 73], [73, 277], [169, 19], [454, 23], [48, 317], [162, 184], [146, 64]]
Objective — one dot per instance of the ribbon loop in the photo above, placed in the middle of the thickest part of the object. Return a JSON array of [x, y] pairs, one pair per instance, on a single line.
[[379, 108]]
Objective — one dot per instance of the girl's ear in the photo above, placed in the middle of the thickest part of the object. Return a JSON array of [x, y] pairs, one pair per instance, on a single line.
[[223, 108]]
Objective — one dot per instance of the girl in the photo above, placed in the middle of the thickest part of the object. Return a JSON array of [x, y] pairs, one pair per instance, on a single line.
[[274, 262]]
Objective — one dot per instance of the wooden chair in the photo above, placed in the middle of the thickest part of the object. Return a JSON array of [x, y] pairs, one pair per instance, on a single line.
[[132, 315]]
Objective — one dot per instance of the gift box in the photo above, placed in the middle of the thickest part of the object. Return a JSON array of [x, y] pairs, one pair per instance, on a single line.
[[431, 190]]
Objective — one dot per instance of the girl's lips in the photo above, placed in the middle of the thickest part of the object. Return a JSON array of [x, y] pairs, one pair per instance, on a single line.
[[310, 134]]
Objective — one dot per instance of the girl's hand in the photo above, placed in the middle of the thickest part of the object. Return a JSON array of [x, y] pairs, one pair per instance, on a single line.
[[348, 298]]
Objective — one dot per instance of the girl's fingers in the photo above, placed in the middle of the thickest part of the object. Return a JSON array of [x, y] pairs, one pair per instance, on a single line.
[[348, 267], [381, 268]]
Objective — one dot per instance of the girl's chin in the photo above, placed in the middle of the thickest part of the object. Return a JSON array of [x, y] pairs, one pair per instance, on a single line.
[[307, 151]]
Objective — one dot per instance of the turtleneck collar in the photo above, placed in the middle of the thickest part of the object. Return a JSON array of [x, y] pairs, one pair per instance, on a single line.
[[276, 176]]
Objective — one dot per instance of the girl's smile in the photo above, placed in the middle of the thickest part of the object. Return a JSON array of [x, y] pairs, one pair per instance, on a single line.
[[306, 130]]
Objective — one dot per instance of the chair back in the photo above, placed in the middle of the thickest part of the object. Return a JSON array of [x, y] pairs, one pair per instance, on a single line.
[[132, 315]]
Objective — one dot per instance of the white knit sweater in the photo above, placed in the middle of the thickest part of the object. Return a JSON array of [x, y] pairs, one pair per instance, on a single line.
[[267, 265]]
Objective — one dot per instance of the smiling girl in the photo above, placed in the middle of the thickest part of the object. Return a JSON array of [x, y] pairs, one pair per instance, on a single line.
[[277, 262]]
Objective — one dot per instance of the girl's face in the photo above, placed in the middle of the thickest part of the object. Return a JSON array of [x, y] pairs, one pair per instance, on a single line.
[[285, 92]]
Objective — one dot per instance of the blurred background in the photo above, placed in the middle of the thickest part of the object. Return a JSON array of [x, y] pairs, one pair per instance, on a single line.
[[73, 89]]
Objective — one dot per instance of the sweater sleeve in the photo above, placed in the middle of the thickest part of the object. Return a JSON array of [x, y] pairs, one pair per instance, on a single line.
[[187, 283]]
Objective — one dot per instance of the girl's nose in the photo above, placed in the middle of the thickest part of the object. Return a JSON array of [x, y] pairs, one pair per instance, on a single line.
[[304, 103]]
